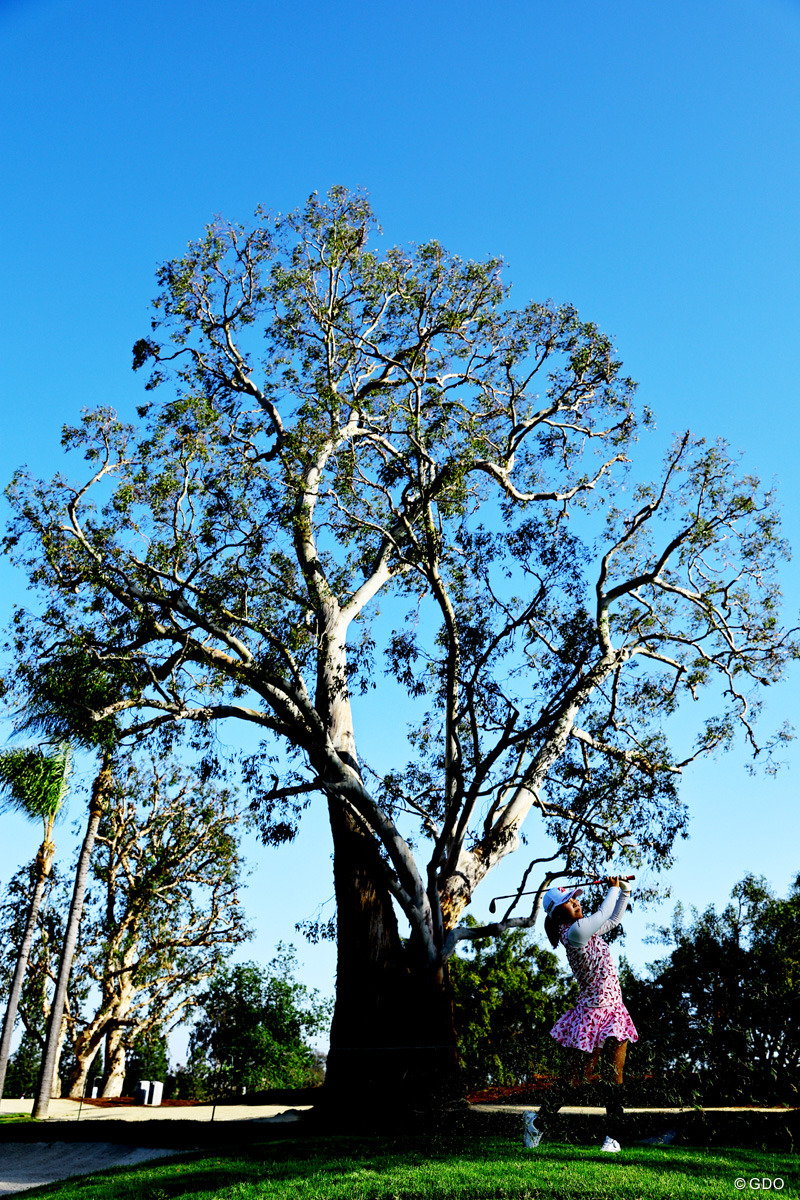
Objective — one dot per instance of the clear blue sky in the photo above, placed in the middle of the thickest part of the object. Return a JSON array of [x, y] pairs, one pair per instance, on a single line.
[[640, 160]]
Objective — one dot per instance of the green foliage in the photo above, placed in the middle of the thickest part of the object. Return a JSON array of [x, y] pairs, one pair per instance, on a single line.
[[254, 1026], [64, 697], [34, 781], [717, 1016], [508, 993], [23, 1068]]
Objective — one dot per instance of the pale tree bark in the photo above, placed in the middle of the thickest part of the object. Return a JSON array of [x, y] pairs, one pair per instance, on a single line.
[[77, 1089], [85, 1050], [49, 1084], [114, 1076], [42, 868], [108, 1024]]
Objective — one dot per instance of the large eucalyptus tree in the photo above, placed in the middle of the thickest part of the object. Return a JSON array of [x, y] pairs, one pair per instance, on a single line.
[[341, 425]]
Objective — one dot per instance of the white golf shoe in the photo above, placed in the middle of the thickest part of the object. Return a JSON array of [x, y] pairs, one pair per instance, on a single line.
[[610, 1146], [532, 1135]]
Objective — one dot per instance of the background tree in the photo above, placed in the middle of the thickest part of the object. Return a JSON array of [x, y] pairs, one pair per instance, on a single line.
[[24, 1066], [33, 781], [508, 993], [775, 949], [345, 424], [34, 999], [254, 1027], [164, 909], [164, 893], [715, 1016]]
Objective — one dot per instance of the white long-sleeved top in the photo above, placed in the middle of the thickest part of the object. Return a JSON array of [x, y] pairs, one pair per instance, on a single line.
[[608, 915]]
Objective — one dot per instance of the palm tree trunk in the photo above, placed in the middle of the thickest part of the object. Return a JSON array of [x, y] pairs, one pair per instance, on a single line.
[[100, 790], [44, 862]]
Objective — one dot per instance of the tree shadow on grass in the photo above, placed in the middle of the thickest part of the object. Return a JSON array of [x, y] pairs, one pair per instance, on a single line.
[[267, 1165]]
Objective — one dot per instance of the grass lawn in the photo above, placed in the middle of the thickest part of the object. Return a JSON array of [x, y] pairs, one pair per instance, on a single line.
[[344, 1168]]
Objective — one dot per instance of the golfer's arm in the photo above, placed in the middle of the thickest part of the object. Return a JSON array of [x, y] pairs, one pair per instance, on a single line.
[[618, 913], [597, 922]]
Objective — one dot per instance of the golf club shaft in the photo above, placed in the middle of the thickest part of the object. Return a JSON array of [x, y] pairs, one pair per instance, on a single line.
[[590, 882], [575, 883]]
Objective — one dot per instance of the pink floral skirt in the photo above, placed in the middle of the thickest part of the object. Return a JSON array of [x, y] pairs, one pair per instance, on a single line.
[[585, 1028]]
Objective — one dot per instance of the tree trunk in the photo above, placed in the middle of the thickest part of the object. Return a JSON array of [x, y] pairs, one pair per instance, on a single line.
[[114, 1075], [78, 1078], [44, 862], [85, 1051], [100, 789], [393, 1045]]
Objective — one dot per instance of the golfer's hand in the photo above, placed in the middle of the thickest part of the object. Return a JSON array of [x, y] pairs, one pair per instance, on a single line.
[[619, 882]]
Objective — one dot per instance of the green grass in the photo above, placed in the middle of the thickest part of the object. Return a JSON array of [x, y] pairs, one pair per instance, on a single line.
[[494, 1168]]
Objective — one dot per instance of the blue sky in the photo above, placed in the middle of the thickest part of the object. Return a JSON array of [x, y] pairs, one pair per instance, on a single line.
[[640, 160]]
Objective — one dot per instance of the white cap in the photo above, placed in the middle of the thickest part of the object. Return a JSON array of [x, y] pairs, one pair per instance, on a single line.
[[558, 895]]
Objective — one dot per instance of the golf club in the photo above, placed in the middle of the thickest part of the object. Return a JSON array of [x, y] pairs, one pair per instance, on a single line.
[[577, 883]]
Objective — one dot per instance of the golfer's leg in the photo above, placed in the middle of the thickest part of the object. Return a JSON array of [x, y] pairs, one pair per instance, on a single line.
[[564, 1090], [619, 1053], [590, 1074], [615, 1094]]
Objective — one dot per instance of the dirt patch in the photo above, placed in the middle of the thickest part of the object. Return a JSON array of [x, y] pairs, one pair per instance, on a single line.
[[523, 1093]]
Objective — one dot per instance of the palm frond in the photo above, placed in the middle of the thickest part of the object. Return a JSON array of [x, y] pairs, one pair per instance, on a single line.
[[60, 702], [34, 781]]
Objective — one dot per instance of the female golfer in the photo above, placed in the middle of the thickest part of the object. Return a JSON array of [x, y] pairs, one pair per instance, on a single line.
[[599, 1016]]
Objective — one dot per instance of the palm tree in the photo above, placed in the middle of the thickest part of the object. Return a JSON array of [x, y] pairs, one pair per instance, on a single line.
[[101, 788], [60, 703], [33, 781]]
